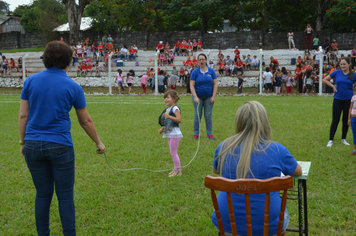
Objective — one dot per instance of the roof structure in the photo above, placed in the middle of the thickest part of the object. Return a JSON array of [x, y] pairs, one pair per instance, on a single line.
[[3, 18], [84, 25]]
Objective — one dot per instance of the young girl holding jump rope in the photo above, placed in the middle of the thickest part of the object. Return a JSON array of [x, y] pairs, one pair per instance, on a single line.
[[171, 129]]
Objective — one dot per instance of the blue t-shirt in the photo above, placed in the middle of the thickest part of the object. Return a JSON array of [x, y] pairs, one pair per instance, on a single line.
[[278, 81], [275, 160], [51, 95], [240, 82], [203, 82], [343, 85]]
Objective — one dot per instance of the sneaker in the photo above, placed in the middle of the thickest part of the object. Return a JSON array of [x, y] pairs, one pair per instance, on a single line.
[[211, 137], [330, 143], [196, 137], [345, 142], [175, 173], [352, 153]]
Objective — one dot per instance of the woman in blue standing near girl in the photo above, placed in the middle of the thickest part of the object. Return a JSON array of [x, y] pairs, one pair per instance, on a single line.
[[203, 86], [343, 92]]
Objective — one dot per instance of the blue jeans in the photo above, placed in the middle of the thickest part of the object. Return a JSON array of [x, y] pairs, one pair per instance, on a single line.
[[123, 55], [52, 165], [132, 57], [208, 111], [176, 51]]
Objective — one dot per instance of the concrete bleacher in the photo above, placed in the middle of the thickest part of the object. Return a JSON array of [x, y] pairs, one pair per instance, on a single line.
[[251, 77]]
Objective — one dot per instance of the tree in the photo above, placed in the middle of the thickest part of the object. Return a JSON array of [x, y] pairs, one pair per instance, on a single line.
[[340, 17], [4, 7], [320, 7], [42, 16], [21, 10], [75, 16]]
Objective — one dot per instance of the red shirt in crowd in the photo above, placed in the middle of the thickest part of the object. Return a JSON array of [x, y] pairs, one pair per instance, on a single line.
[[237, 53], [239, 63], [275, 62], [297, 70], [100, 47], [160, 46], [132, 51], [200, 43]]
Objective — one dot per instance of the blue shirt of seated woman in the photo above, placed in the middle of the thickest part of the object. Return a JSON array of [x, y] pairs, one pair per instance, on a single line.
[[251, 154]]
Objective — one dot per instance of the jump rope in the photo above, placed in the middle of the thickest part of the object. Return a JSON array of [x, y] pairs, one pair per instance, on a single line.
[[196, 152]]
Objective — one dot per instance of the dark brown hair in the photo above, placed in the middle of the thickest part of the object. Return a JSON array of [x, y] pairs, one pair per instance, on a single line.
[[57, 55], [202, 54], [173, 95], [351, 73]]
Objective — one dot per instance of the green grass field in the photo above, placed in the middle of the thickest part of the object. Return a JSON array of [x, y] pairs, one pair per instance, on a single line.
[[109, 202]]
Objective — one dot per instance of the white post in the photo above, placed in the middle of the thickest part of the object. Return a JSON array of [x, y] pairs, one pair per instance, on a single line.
[[109, 72], [208, 57], [260, 84], [156, 72], [321, 70], [24, 67]]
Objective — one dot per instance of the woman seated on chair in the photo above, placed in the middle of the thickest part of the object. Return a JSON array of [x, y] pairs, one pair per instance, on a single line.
[[251, 153]]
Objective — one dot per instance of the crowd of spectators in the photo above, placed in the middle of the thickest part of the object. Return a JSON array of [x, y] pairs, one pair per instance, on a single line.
[[93, 59]]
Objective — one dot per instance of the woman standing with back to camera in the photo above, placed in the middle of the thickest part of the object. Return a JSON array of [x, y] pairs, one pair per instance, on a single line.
[[343, 92], [45, 138], [203, 86]]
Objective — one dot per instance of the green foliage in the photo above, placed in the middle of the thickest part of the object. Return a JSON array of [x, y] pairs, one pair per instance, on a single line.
[[29, 21], [183, 15], [21, 10], [4, 7], [342, 16], [42, 16]]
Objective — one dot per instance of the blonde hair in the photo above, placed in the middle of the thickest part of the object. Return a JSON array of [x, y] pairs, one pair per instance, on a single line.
[[253, 134]]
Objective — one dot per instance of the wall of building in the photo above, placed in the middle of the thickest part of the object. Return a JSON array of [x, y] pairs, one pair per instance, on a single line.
[[144, 40], [12, 25]]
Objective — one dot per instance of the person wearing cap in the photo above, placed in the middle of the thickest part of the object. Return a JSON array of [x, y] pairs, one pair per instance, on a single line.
[[237, 53], [160, 47]]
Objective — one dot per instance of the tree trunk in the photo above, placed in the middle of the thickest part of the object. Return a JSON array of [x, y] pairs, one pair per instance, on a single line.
[[75, 16], [318, 19]]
